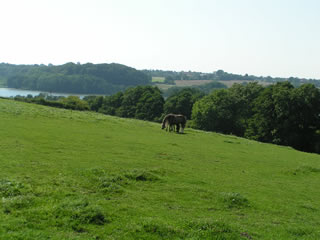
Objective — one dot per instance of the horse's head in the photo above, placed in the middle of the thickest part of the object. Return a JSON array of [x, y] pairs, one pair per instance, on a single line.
[[165, 122]]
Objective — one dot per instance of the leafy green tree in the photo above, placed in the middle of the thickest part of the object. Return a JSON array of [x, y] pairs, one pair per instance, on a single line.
[[272, 114], [218, 111], [150, 105], [129, 102], [226, 110], [111, 104], [73, 102], [142, 102], [306, 121], [96, 103], [286, 115], [245, 95], [181, 102]]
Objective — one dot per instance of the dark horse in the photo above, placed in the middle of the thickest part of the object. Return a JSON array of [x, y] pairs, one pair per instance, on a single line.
[[172, 120]]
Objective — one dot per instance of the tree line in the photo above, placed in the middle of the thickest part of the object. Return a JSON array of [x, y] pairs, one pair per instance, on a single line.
[[108, 79], [73, 78], [280, 113]]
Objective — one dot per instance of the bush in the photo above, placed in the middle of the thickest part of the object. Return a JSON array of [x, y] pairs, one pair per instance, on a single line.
[[75, 103]]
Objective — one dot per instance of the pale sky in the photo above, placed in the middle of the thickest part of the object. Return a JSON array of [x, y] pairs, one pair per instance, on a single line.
[[280, 38]]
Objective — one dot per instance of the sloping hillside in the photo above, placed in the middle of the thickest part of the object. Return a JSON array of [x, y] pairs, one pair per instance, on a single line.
[[80, 175], [72, 78]]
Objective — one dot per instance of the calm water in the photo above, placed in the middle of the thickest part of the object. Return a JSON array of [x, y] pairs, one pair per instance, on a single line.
[[12, 92]]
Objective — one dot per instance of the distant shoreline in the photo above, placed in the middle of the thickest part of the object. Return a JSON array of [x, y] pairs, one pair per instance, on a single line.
[[12, 92]]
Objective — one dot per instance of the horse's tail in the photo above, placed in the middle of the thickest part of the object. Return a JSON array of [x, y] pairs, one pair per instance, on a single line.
[[184, 122]]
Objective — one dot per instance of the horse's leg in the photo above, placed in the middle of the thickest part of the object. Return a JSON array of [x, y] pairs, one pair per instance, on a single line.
[[182, 127], [169, 125], [178, 127]]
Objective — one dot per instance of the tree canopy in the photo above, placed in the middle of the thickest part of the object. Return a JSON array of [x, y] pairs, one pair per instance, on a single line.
[[142, 102], [73, 78], [280, 114], [181, 102]]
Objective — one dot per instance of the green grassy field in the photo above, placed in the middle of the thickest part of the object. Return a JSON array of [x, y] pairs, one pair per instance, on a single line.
[[158, 79], [81, 175]]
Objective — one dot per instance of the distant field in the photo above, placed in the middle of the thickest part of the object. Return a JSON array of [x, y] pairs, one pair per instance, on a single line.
[[158, 79], [186, 83], [164, 86], [230, 83], [183, 83], [189, 83], [83, 175]]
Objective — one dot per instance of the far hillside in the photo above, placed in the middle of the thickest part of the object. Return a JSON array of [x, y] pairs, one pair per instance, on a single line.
[[72, 78], [190, 78]]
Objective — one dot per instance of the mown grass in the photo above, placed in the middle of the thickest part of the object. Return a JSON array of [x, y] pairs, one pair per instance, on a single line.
[[81, 175]]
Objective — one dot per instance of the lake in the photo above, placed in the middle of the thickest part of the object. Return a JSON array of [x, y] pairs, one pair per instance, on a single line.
[[12, 92]]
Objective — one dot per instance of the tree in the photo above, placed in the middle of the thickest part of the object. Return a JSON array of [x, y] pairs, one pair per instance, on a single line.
[[218, 111], [226, 110], [129, 102], [142, 102], [95, 102], [150, 105], [306, 123], [111, 104], [245, 94], [272, 117], [286, 115], [181, 102], [73, 102]]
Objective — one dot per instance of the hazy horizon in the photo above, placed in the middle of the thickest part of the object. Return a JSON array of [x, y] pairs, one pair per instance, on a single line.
[[262, 38], [31, 64]]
